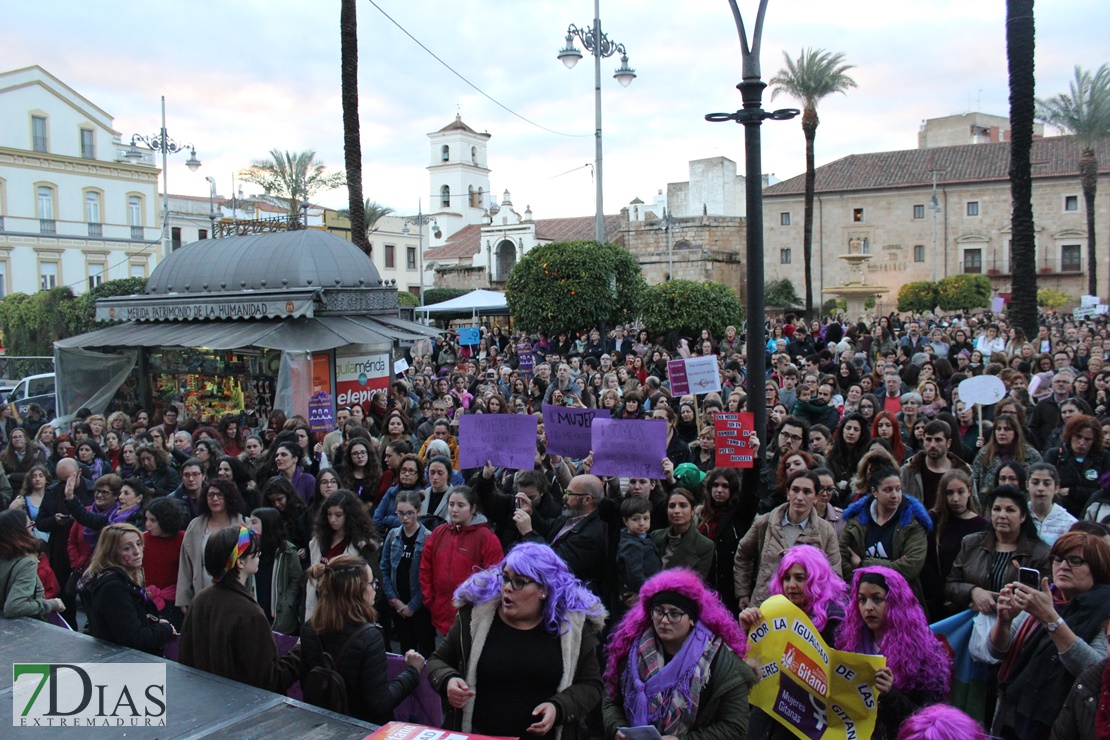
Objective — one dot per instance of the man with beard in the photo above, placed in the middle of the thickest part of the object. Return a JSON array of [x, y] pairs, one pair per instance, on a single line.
[[922, 473], [578, 535]]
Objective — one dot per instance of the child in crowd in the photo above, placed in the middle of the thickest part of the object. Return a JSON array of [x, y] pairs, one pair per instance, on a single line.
[[637, 558]]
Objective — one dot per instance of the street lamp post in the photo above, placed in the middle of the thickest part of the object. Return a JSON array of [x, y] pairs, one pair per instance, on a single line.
[[934, 206], [752, 116], [212, 204], [598, 44], [161, 142], [420, 221], [669, 222]]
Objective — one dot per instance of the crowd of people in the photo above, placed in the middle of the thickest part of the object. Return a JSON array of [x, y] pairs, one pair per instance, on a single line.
[[552, 601]]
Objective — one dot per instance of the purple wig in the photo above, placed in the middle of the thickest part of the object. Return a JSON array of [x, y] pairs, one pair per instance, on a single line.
[[824, 589], [713, 615], [565, 593], [913, 653], [940, 722]]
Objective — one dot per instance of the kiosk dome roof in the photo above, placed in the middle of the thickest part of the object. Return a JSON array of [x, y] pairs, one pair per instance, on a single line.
[[306, 258]]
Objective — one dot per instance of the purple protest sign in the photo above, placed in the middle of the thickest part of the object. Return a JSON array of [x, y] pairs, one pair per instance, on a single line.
[[629, 447], [321, 414], [506, 440], [568, 430], [676, 374], [525, 359]]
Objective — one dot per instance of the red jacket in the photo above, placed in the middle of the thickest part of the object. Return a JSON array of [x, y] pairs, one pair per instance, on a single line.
[[451, 555], [79, 551]]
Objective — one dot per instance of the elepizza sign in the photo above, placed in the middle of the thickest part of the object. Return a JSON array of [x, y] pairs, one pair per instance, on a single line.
[[358, 376]]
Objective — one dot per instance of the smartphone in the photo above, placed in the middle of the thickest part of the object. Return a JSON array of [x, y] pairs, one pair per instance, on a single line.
[[1031, 577], [568, 400]]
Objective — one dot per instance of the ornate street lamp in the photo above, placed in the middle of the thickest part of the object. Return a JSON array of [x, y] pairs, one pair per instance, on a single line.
[[420, 221], [161, 142], [752, 116], [598, 44]]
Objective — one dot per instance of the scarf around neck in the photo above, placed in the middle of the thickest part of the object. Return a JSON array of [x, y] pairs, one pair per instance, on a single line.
[[664, 694]]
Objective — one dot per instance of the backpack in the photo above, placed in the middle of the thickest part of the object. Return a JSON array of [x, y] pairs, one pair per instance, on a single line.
[[324, 685]]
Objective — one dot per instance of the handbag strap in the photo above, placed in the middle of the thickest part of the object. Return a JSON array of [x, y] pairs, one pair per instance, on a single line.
[[349, 642]]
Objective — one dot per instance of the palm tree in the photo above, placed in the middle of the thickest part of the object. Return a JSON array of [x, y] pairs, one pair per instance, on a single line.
[[1084, 111], [1019, 54], [292, 176], [374, 213], [352, 146], [816, 74]]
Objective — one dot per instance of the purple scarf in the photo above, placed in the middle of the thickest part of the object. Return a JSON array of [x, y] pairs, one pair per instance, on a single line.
[[666, 694], [92, 535]]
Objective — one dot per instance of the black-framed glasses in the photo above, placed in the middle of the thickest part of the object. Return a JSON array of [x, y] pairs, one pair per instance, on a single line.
[[667, 615], [1073, 560], [573, 493], [791, 437], [214, 494], [516, 583], [409, 471]]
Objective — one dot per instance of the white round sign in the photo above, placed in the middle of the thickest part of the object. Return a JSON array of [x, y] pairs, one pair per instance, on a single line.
[[984, 390]]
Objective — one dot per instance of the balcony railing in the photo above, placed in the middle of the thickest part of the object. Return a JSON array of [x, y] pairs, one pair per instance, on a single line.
[[1000, 268], [96, 229], [77, 229], [48, 226], [137, 233]]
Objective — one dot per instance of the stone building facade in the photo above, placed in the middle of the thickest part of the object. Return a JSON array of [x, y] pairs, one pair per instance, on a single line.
[[880, 204]]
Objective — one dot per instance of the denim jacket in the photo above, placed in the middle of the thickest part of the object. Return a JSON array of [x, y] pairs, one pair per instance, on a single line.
[[392, 551]]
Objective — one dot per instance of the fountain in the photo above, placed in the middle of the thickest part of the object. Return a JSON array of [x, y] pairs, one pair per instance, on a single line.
[[856, 291]]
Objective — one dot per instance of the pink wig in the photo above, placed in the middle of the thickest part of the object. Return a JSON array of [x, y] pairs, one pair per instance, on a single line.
[[824, 589], [714, 616], [913, 653], [940, 722]]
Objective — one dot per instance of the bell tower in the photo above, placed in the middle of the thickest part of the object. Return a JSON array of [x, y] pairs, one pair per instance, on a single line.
[[458, 176]]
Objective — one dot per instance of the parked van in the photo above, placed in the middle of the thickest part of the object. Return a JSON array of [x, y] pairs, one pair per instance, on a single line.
[[35, 389]]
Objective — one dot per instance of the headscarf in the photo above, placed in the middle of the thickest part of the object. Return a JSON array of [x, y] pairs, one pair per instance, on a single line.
[[241, 546]]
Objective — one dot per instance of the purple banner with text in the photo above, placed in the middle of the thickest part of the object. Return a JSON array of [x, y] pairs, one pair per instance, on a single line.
[[568, 430], [506, 440], [630, 447]]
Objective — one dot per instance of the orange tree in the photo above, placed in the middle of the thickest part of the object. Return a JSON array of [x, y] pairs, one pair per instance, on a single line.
[[688, 307], [566, 286]]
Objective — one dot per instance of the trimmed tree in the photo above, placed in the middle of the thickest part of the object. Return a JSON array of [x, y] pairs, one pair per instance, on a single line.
[[781, 294], [566, 286], [963, 292], [917, 297], [405, 298], [1049, 298], [688, 307]]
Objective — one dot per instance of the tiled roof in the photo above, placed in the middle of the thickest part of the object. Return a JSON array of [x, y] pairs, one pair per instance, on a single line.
[[1056, 156], [458, 125], [467, 241]]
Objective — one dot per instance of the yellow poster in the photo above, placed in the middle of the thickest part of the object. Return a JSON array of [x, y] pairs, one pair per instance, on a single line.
[[816, 692]]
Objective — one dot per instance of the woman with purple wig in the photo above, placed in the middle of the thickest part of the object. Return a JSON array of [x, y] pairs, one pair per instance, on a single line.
[[521, 657], [676, 663], [888, 620]]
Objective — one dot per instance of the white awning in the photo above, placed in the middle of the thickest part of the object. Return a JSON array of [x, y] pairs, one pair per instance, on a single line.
[[475, 302]]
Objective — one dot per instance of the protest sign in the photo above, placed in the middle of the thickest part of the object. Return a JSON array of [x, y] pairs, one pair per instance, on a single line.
[[998, 304], [413, 731], [468, 336], [568, 430], [526, 360], [982, 389], [695, 375], [733, 433], [400, 366], [506, 440], [812, 690], [321, 413], [629, 447]]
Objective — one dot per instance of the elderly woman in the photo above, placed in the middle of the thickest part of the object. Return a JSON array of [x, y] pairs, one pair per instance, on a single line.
[[1048, 635], [521, 657], [1080, 461], [885, 619], [772, 534], [155, 472], [676, 662]]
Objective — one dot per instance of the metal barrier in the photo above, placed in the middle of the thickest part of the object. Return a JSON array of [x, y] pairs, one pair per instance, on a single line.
[[16, 368]]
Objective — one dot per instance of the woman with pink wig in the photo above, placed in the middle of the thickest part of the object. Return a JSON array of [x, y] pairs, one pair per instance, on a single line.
[[805, 577], [676, 662], [941, 722], [888, 620]]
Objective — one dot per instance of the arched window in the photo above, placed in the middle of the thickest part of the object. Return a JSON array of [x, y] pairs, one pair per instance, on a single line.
[[474, 154], [506, 259], [445, 196], [472, 197], [445, 153]]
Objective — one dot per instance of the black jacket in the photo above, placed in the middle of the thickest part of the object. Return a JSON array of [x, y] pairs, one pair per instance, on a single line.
[[54, 503], [582, 548], [121, 612], [371, 696], [1080, 478], [162, 481]]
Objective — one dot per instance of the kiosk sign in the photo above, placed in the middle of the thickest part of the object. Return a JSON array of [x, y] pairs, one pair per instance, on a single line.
[[358, 376]]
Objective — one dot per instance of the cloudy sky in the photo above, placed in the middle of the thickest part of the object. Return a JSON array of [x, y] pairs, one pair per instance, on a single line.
[[244, 76]]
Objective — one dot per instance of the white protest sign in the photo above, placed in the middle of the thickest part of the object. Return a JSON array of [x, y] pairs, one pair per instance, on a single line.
[[983, 390], [400, 366], [695, 375]]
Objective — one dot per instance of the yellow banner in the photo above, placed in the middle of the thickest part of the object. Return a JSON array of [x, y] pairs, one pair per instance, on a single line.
[[816, 692]]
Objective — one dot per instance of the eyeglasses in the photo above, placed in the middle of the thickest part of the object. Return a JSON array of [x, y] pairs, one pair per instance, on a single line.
[[1072, 560], [667, 615], [790, 437], [359, 453], [516, 583], [214, 494], [105, 491], [406, 514], [574, 493], [194, 474], [408, 471], [827, 489]]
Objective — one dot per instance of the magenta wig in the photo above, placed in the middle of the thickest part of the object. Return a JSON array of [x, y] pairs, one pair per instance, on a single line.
[[825, 590], [940, 722], [913, 653], [565, 593], [716, 618]]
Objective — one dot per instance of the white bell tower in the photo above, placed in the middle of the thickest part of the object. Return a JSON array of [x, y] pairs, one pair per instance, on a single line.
[[458, 176]]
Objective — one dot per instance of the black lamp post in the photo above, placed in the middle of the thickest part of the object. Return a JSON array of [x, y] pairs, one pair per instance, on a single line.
[[752, 116]]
